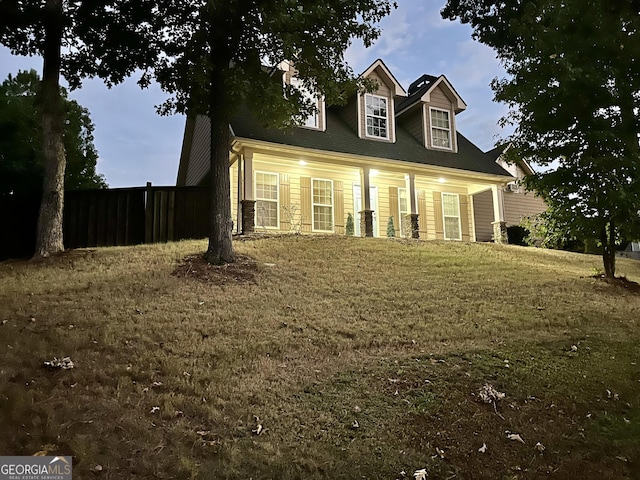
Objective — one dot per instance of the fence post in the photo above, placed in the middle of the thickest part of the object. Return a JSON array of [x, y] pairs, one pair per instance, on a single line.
[[149, 215]]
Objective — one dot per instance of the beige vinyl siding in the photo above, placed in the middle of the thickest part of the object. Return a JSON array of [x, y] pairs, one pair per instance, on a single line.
[[349, 113], [394, 210], [439, 223], [518, 205], [199, 155], [382, 91], [465, 219], [412, 122], [483, 216], [440, 100]]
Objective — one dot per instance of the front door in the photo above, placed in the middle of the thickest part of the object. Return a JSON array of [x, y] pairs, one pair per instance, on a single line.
[[357, 205]]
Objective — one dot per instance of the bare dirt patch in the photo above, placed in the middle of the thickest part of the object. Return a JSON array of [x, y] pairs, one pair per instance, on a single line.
[[621, 283], [243, 270]]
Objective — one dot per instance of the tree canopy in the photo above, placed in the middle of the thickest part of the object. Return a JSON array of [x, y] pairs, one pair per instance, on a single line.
[[573, 89], [108, 39], [218, 56], [21, 158]]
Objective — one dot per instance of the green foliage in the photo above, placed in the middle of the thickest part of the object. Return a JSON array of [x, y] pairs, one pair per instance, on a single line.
[[517, 235], [21, 167], [242, 44], [391, 231], [350, 226], [572, 91]]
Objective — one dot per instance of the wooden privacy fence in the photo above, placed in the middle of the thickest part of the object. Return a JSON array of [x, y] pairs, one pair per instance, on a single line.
[[117, 216], [128, 216]]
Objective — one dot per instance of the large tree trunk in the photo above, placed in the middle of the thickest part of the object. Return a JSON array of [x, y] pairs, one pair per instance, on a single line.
[[49, 233], [608, 240], [220, 248]]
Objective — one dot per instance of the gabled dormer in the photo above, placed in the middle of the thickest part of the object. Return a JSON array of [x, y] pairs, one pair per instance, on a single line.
[[429, 112], [316, 121], [376, 110]]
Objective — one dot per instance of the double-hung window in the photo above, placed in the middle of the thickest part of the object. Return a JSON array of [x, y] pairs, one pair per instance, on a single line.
[[322, 195], [266, 199], [377, 116], [405, 219], [312, 120], [451, 216], [440, 128]]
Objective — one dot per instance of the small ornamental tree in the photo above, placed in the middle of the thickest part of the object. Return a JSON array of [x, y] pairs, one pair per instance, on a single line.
[[350, 226], [221, 55], [391, 231]]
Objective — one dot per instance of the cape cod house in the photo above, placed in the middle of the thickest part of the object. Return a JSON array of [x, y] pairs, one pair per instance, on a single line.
[[390, 153]]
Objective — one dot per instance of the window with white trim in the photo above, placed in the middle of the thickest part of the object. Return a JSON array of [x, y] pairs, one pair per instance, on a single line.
[[266, 185], [377, 116], [440, 128], [403, 207], [312, 120], [451, 216], [322, 208]]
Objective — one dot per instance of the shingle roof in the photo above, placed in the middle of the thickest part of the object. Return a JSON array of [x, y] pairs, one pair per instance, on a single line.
[[340, 138]]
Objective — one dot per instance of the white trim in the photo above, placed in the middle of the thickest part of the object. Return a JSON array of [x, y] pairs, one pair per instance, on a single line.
[[397, 90], [392, 122], [407, 198], [388, 122], [255, 197], [448, 112], [444, 223], [324, 114], [313, 220], [299, 85], [425, 126], [460, 105], [359, 119]]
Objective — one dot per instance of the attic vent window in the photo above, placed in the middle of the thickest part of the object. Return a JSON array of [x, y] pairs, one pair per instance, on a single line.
[[440, 129], [376, 108]]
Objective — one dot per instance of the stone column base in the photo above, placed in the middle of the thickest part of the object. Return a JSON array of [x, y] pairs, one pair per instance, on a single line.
[[366, 223], [415, 226], [248, 216], [500, 233]]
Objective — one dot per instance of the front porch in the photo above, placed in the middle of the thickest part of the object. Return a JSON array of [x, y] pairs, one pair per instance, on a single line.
[[296, 190]]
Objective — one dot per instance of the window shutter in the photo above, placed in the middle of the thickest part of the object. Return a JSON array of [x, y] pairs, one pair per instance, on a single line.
[[338, 205], [464, 217], [285, 203], [394, 209], [305, 203], [437, 207], [422, 214]]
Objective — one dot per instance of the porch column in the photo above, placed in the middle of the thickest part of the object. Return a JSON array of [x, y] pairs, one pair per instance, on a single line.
[[415, 226], [499, 224], [366, 215], [240, 195], [248, 203]]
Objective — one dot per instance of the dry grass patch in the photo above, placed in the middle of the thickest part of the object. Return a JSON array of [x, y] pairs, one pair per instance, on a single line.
[[172, 371]]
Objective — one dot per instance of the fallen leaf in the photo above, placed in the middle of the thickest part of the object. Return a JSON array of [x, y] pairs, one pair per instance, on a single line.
[[64, 364], [420, 474], [483, 448], [440, 452], [355, 424], [574, 348], [357, 409], [154, 409], [515, 437], [540, 447]]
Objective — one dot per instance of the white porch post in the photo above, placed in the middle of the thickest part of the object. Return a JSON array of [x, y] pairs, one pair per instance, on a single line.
[[366, 215], [240, 195], [415, 225], [248, 203], [499, 224]]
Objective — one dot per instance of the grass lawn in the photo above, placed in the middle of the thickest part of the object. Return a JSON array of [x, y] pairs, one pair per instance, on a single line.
[[322, 357]]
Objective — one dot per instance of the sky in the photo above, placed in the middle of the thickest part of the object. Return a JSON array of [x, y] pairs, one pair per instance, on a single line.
[[136, 145]]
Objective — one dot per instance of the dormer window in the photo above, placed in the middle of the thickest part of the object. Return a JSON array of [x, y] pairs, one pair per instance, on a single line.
[[377, 116], [440, 128], [312, 120]]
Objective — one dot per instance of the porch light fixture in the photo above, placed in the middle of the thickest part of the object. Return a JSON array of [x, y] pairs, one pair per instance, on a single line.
[[302, 162], [442, 180]]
